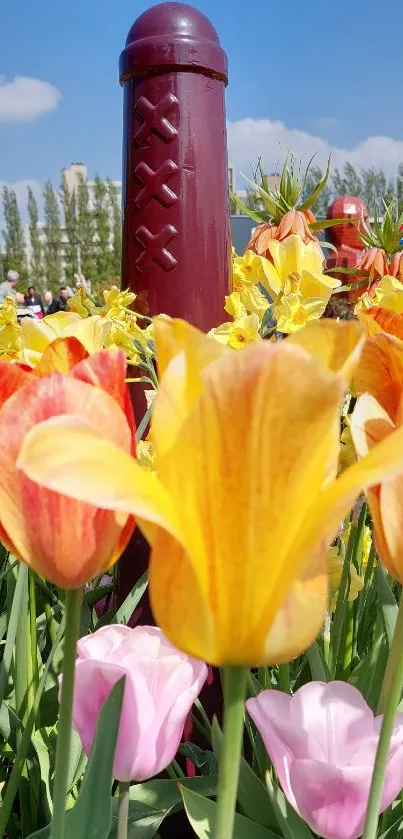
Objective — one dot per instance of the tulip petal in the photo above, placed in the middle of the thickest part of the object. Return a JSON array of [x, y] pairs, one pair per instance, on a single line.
[[12, 378], [61, 355], [183, 353], [335, 344], [249, 439], [331, 800], [66, 455], [379, 319], [63, 540], [383, 462], [89, 331], [300, 619], [380, 372]]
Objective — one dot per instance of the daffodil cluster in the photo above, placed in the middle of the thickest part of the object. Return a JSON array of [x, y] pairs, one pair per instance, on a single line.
[[277, 293], [114, 325]]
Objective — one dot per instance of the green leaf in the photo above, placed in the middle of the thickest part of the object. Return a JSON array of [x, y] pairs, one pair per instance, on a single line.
[[253, 214], [388, 604], [203, 760], [201, 813], [164, 794], [317, 191], [252, 794], [18, 600], [91, 818], [125, 611], [368, 674]]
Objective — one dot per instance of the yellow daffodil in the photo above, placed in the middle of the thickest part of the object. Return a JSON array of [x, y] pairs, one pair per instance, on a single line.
[[355, 582], [240, 333], [388, 294], [38, 334], [297, 267], [82, 304], [245, 501], [115, 298], [249, 301], [10, 330], [145, 453], [292, 312], [247, 270]]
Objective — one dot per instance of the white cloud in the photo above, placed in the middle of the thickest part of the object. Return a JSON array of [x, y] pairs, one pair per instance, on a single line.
[[23, 99], [271, 140]]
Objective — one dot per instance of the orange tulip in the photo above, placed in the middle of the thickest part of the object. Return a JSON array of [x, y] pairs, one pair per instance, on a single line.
[[378, 381], [379, 319], [66, 541]]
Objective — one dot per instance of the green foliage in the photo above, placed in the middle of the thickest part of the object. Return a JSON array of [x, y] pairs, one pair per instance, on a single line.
[[52, 251], [13, 234], [85, 232], [71, 246], [116, 230], [35, 266], [102, 234]]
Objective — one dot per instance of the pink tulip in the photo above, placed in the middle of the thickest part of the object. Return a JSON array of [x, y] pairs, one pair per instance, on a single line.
[[322, 742], [161, 686]]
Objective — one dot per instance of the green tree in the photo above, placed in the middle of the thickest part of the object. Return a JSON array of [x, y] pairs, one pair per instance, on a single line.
[[70, 225], [374, 189], [13, 234], [85, 232], [52, 252], [102, 239], [399, 187], [116, 216], [35, 262]]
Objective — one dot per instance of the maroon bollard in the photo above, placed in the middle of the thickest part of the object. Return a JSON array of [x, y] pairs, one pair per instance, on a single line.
[[176, 234]]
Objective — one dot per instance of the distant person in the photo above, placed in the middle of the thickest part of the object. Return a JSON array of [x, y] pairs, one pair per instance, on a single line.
[[34, 301], [8, 288], [48, 300], [59, 304]]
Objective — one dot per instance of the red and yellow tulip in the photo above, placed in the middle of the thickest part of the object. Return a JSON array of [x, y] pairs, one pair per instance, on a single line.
[[66, 541], [245, 500]]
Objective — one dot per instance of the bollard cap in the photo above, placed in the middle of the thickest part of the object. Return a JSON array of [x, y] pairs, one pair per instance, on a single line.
[[172, 36]]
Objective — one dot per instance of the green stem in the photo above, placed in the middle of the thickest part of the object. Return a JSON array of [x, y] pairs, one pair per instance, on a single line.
[[235, 680], [123, 809], [73, 611], [391, 699], [284, 677], [392, 662]]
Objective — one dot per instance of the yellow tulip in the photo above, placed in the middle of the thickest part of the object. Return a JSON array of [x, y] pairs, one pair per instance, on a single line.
[[297, 267], [38, 334], [245, 501], [10, 331]]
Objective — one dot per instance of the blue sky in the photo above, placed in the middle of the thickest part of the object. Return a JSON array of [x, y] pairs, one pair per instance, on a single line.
[[317, 76]]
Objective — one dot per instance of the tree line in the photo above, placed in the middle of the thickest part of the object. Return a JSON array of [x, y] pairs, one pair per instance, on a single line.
[[372, 185], [78, 238]]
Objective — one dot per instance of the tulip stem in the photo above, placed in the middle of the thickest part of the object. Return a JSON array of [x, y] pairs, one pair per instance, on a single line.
[[234, 684], [123, 809], [391, 703], [73, 612]]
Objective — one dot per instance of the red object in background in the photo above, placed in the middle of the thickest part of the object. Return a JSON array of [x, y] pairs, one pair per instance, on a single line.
[[176, 225], [346, 239]]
